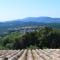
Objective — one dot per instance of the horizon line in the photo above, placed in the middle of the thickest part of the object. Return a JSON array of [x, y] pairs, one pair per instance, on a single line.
[[8, 20]]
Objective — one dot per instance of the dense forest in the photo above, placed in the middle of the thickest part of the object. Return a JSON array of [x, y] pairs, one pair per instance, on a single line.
[[45, 37]]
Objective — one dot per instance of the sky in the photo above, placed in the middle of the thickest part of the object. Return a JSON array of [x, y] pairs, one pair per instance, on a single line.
[[19, 9]]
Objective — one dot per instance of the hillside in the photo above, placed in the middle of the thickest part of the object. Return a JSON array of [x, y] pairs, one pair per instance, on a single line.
[[30, 21]]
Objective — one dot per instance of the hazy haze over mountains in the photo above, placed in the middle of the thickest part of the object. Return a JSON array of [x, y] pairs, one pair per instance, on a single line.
[[30, 21], [36, 19]]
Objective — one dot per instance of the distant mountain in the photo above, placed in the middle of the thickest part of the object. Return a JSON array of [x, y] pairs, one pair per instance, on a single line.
[[42, 19], [36, 19], [30, 21]]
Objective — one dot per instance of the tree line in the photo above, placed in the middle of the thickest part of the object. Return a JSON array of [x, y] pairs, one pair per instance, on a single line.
[[45, 37]]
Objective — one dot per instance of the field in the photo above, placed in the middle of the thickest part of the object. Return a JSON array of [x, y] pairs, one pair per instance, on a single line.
[[27, 54]]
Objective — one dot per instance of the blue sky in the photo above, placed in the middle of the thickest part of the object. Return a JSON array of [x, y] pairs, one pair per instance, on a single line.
[[17, 9]]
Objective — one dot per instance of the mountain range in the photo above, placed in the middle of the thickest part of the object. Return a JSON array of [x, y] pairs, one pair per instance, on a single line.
[[37, 19], [30, 21]]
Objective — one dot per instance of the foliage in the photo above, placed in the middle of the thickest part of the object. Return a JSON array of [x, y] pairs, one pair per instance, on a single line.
[[45, 37]]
